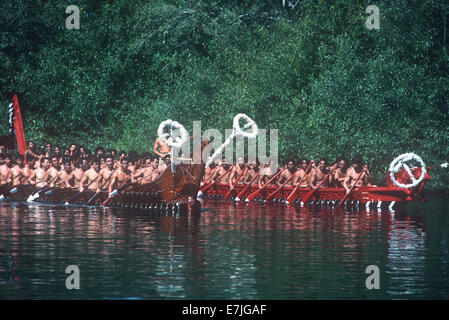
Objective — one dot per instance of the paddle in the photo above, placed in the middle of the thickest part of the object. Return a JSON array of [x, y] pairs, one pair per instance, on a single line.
[[312, 192], [253, 195], [271, 195], [6, 186], [204, 189], [36, 194], [116, 191], [350, 190], [97, 193], [292, 194], [242, 193], [56, 184], [79, 193], [208, 180], [235, 184]]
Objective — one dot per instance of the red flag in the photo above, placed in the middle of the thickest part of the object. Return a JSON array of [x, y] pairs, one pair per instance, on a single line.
[[18, 127]]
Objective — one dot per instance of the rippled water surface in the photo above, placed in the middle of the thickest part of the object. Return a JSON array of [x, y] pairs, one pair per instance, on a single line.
[[230, 251]]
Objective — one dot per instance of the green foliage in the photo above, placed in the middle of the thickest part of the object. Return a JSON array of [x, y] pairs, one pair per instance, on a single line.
[[331, 86]]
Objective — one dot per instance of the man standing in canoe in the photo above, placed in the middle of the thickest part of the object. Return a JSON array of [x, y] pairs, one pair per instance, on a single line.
[[163, 149]]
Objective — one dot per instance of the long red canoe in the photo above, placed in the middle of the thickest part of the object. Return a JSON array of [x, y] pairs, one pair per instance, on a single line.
[[361, 195]]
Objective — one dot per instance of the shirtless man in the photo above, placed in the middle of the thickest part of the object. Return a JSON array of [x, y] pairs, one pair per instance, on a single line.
[[131, 164], [102, 162], [5, 170], [157, 169], [208, 173], [318, 175], [42, 176], [55, 162], [339, 174], [304, 163], [353, 173], [164, 164], [145, 172], [220, 172], [104, 180], [121, 176], [17, 171], [66, 175], [79, 170], [288, 172], [53, 171], [72, 150], [48, 150], [30, 150], [91, 176], [58, 154], [238, 169], [251, 173], [28, 174], [163, 148], [99, 152], [265, 174]]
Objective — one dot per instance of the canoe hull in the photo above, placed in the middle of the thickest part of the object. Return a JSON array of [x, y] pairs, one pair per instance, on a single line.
[[169, 190], [361, 194]]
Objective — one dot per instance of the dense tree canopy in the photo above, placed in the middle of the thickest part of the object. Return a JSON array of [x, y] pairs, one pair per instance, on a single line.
[[314, 71]]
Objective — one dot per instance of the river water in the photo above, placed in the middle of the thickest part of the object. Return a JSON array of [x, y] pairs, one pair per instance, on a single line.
[[229, 251]]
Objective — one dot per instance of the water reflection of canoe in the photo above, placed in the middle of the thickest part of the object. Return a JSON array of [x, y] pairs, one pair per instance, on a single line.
[[371, 196], [167, 191]]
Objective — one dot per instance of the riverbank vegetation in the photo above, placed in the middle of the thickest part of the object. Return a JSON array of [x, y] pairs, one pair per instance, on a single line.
[[314, 71]]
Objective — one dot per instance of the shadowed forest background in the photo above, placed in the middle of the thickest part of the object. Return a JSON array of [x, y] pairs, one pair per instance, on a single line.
[[315, 72]]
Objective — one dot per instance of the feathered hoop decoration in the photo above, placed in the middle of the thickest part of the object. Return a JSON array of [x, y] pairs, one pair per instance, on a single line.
[[237, 131], [399, 163], [166, 130]]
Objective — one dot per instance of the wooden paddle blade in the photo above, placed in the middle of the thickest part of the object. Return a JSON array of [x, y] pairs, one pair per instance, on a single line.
[[73, 198], [105, 203], [292, 195], [271, 195], [350, 190], [253, 195], [204, 189], [344, 199], [228, 194], [308, 195], [240, 195], [92, 198]]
